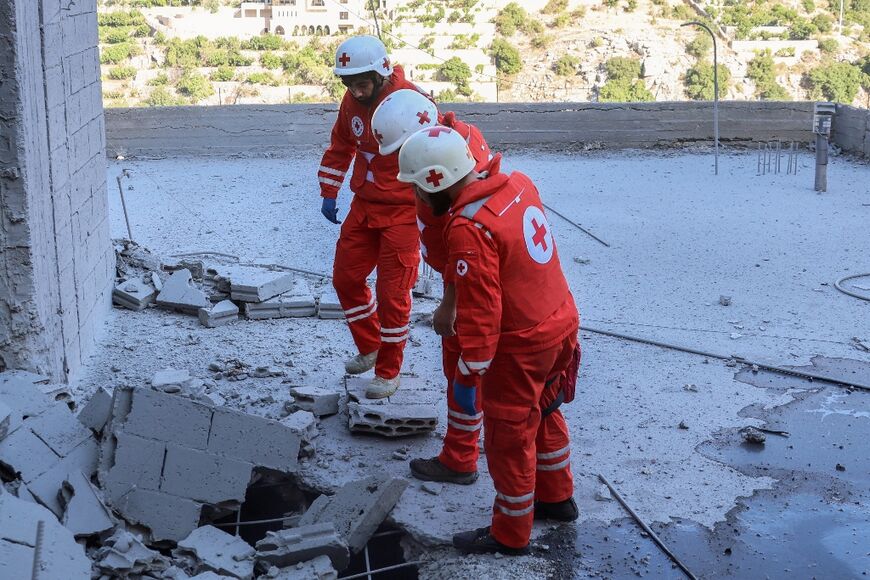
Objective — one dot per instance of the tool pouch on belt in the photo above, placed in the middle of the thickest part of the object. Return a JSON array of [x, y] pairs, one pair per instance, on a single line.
[[568, 379]]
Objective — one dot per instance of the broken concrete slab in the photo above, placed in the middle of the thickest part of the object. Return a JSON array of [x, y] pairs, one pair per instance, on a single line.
[[59, 429], [320, 568], [214, 550], [168, 517], [283, 306], [134, 294], [170, 376], [204, 477], [305, 424], [164, 417], [392, 420], [123, 555], [84, 513], [97, 411], [291, 546], [413, 391], [179, 294], [195, 267], [328, 306], [222, 313], [7, 418], [19, 390], [357, 509], [253, 439], [24, 453], [61, 556], [133, 462], [256, 284], [46, 488], [320, 401]]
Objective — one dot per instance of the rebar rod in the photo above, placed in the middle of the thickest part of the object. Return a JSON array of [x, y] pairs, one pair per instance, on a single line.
[[37, 549], [379, 570], [576, 225], [124, 207]]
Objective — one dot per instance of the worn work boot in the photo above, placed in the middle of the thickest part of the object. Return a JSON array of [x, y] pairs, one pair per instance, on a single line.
[[381, 388], [479, 541], [361, 363], [560, 511], [434, 470]]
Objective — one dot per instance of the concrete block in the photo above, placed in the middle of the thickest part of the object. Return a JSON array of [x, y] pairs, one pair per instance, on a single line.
[[217, 551], [297, 303], [46, 488], [255, 440], [255, 284], [320, 568], [59, 429], [203, 476], [196, 267], [84, 513], [302, 422], [134, 294], [357, 509], [18, 389], [24, 453], [123, 555], [294, 545], [166, 417], [97, 411], [392, 420], [224, 312], [179, 294], [169, 376], [135, 462], [169, 517], [61, 557], [328, 306], [320, 401], [8, 417], [413, 391]]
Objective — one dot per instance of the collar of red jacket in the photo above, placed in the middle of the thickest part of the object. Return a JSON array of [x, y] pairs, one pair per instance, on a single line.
[[492, 179]]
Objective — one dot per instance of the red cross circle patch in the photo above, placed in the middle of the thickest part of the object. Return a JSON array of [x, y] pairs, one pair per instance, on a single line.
[[462, 267], [537, 234]]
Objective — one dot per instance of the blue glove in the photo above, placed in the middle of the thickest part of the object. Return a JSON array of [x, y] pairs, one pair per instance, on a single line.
[[329, 210], [465, 397]]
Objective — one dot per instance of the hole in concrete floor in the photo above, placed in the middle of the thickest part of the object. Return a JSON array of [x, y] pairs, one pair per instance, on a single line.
[[384, 550]]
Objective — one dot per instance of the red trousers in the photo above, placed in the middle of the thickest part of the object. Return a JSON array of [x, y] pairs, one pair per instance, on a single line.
[[380, 323], [460, 450], [528, 456]]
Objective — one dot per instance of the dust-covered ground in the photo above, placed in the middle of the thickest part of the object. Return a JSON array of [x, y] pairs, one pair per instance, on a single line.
[[679, 238]]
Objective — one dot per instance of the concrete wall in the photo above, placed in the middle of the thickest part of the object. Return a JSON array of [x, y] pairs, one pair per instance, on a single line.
[[158, 132], [57, 263], [851, 130]]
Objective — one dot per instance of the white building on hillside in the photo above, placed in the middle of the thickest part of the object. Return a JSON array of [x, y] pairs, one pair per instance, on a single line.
[[307, 17]]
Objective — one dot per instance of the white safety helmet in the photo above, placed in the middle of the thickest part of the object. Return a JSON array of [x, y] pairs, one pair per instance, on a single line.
[[400, 115], [359, 54], [434, 159]]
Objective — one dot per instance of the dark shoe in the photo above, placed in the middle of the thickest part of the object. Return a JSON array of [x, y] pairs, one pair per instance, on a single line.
[[480, 542], [560, 511], [434, 470]]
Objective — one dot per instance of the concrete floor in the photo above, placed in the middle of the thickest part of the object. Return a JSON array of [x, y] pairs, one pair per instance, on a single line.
[[679, 238]]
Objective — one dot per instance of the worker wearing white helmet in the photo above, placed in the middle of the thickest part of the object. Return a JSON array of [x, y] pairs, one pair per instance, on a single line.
[[397, 118], [516, 322], [380, 230]]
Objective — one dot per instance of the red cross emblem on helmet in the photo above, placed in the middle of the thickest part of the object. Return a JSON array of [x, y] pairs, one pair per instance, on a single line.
[[436, 131], [344, 59]]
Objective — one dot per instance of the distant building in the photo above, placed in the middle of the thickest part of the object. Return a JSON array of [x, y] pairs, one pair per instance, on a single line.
[[307, 17]]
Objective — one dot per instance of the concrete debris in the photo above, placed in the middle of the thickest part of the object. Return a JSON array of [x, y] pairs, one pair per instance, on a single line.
[[305, 424], [724, 300], [251, 284], [320, 568], [267, 372], [357, 509], [179, 294], [753, 436], [320, 401], [46, 488], [291, 546], [7, 416], [222, 313], [328, 307], [61, 556], [58, 428], [134, 294], [413, 391], [96, 413], [156, 281], [131, 258], [123, 555], [603, 494], [169, 376], [297, 303], [164, 455], [20, 391], [208, 549], [57, 393], [196, 267], [84, 513], [392, 420], [860, 344], [432, 488]]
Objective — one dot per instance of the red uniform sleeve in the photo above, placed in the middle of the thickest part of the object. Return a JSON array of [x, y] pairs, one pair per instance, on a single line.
[[336, 160], [476, 142], [475, 264]]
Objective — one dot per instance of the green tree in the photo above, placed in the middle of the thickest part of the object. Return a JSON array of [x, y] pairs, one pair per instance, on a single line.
[[270, 60], [194, 85], [117, 53], [507, 58], [510, 18], [566, 65], [264, 42], [223, 74], [555, 6], [699, 81], [802, 29], [123, 73], [623, 68], [823, 23], [625, 91], [455, 71], [160, 97], [761, 70], [162, 79], [700, 46], [829, 46], [836, 81]]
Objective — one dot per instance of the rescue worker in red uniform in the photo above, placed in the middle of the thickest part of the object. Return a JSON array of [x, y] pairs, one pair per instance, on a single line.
[[517, 326], [380, 228], [397, 118]]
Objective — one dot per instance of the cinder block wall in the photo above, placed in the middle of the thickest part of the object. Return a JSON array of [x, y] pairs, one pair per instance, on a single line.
[[57, 263], [851, 130]]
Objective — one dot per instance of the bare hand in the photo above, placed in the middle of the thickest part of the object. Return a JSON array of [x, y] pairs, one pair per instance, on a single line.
[[443, 319]]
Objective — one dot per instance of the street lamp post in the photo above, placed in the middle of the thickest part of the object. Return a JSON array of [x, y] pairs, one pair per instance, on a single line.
[[715, 92]]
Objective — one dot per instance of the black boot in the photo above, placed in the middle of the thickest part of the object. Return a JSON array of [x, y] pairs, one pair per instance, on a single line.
[[560, 511], [480, 541], [434, 470]]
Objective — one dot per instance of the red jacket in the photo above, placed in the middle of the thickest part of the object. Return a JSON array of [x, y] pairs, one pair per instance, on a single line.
[[387, 200], [432, 242], [511, 293]]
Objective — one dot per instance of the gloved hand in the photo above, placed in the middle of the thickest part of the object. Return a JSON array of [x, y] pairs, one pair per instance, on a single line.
[[465, 397], [329, 210]]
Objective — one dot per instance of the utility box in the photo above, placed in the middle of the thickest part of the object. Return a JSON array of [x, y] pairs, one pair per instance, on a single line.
[[823, 114]]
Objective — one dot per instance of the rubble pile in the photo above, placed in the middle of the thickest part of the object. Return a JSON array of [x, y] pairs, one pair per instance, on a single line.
[[130, 486]]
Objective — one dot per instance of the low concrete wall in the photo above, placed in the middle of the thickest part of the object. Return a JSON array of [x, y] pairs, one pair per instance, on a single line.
[[255, 129], [851, 130]]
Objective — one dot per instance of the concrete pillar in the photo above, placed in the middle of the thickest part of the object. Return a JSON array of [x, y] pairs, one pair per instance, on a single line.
[[57, 262]]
